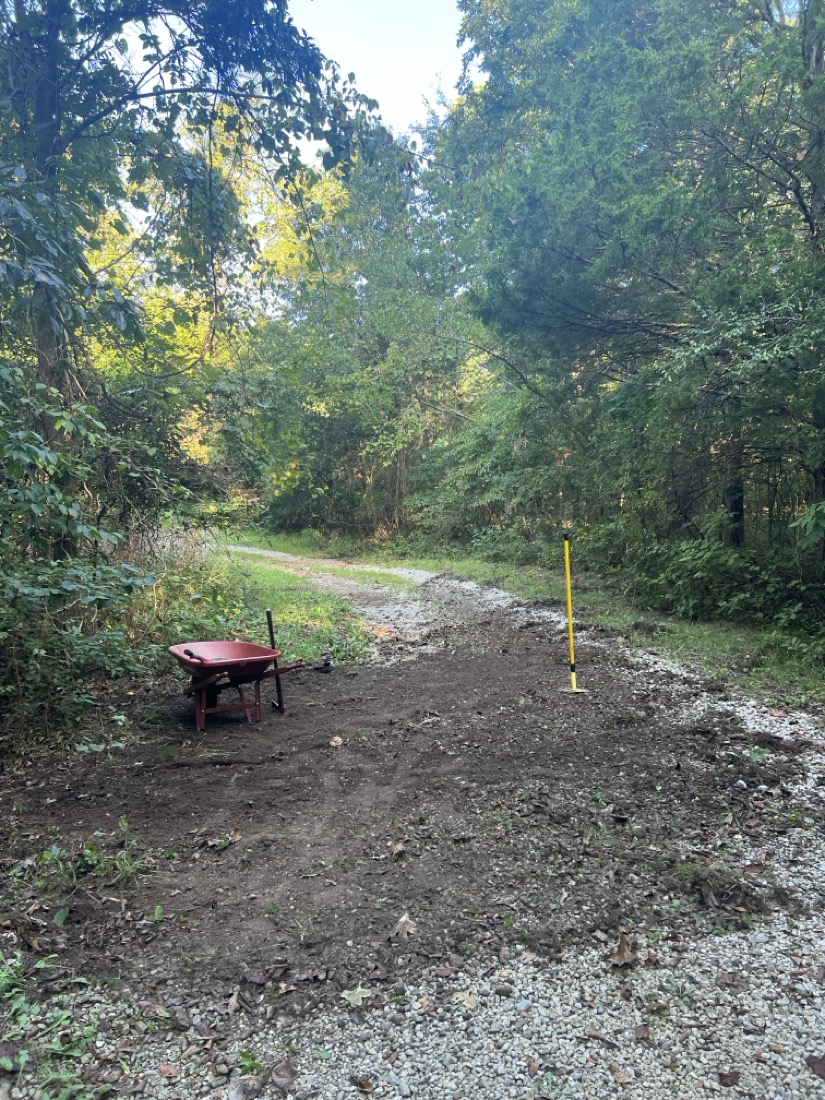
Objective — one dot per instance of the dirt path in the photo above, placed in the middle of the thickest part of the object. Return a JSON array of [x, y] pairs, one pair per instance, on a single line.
[[452, 780]]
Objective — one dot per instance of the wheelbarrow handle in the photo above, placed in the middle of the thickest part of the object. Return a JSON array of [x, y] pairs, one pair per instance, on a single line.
[[279, 670]]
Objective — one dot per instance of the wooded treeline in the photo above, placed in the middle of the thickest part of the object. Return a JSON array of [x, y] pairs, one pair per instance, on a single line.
[[590, 295]]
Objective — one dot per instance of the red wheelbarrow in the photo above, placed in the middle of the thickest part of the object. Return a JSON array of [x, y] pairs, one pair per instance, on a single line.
[[215, 666]]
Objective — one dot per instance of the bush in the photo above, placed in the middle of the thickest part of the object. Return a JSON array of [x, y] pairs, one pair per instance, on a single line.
[[66, 626]]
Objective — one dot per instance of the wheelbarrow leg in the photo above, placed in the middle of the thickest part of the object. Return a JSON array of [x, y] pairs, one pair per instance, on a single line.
[[200, 708], [246, 706]]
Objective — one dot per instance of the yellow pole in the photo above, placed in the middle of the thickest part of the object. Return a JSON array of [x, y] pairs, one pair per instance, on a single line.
[[569, 579]]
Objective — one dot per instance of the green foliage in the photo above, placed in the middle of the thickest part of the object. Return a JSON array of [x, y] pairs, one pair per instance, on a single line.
[[344, 392], [125, 250], [39, 1028]]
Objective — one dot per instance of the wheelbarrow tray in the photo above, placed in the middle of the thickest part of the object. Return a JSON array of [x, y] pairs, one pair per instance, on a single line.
[[234, 658]]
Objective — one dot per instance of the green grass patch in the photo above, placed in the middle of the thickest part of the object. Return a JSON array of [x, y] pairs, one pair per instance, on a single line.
[[365, 575], [303, 543], [308, 622]]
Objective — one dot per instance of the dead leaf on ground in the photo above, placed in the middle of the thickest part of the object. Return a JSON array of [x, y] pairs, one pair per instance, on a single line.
[[731, 979], [358, 995], [335, 742], [619, 1074], [284, 1075], [532, 1066], [168, 1070], [817, 1064], [405, 927], [642, 1031], [622, 954], [466, 999], [729, 1079], [591, 1032]]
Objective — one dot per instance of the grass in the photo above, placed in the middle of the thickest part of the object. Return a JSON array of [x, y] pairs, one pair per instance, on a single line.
[[777, 666], [117, 859], [308, 622]]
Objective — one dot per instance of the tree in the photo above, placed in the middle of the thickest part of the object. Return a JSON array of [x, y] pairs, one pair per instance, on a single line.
[[643, 189], [98, 98], [342, 395]]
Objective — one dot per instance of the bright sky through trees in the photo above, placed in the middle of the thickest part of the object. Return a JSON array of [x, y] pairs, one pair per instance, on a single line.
[[401, 51]]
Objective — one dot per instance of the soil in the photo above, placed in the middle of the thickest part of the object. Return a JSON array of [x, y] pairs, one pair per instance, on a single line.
[[452, 783]]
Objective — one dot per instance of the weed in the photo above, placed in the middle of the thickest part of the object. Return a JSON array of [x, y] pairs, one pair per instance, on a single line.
[[758, 756], [249, 1063], [55, 870], [681, 992], [40, 1034]]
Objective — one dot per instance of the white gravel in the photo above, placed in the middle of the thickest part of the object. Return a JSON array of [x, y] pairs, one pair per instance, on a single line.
[[745, 1003]]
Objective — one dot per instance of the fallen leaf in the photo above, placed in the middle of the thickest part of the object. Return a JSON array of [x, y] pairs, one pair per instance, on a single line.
[[817, 1064], [255, 977], [594, 1033], [731, 979], [532, 1066], [729, 1079], [405, 927], [466, 999], [622, 954], [357, 996], [620, 1075], [284, 1075], [168, 1070], [336, 741], [642, 1031]]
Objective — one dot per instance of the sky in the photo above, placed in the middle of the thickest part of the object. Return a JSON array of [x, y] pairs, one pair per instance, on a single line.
[[401, 51]]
